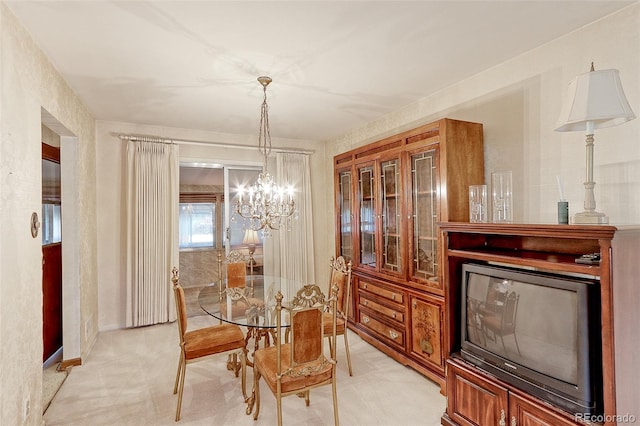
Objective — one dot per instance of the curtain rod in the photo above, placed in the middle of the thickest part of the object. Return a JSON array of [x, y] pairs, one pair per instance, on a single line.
[[137, 138]]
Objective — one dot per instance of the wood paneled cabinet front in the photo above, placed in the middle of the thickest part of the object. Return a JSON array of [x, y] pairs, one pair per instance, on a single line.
[[390, 195], [426, 330], [474, 400], [523, 413]]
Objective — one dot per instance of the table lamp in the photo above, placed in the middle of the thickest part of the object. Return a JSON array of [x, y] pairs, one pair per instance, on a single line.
[[595, 100], [251, 239]]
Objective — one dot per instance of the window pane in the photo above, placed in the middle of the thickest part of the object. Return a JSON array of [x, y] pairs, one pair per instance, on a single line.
[[51, 224], [236, 232], [197, 225]]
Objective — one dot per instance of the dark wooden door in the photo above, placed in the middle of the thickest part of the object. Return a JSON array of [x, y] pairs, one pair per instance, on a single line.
[[51, 299], [51, 252]]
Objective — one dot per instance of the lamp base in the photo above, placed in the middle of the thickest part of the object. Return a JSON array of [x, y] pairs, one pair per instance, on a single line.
[[590, 218]]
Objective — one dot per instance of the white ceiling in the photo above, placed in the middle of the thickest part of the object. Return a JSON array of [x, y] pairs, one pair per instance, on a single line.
[[336, 65]]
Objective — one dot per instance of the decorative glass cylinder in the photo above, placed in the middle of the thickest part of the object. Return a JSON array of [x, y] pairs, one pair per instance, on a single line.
[[478, 203], [563, 212], [502, 191]]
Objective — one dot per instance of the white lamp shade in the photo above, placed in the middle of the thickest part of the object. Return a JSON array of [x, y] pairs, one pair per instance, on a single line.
[[251, 237], [595, 97]]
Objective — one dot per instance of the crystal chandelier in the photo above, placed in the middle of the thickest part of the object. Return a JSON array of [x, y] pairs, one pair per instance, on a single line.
[[265, 206]]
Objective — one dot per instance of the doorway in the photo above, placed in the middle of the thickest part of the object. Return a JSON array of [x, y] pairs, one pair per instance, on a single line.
[[206, 229], [51, 253]]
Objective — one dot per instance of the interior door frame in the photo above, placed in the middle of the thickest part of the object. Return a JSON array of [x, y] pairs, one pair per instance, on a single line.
[[78, 331]]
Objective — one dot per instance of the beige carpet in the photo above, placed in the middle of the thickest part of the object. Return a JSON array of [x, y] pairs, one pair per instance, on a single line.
[[128, 378], [52, 380]]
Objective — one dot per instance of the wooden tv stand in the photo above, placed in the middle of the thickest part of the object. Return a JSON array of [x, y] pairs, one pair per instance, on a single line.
[[475, 397]]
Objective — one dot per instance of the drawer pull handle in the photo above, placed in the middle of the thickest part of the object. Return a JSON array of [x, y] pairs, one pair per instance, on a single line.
[[393, 296], [366, 303], [503, 418], [365, 320], [364, 285], [393, 334], [393, 315]]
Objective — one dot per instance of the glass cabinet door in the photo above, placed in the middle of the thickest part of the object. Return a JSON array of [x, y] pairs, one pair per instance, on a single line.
[[366, 199], [345, 214], [424, 203], [391, 259]]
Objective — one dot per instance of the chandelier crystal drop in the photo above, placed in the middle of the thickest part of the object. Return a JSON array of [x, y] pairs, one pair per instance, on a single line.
[[265, 206]]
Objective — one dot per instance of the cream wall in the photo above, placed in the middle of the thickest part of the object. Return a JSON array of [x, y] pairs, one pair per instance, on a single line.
[[31, 91], [111, 208], [519, 103]]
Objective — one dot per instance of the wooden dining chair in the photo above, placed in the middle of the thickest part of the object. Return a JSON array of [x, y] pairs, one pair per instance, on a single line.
[[233, 268], [201, 343], [300, 365], [233, 282], [340, 277]]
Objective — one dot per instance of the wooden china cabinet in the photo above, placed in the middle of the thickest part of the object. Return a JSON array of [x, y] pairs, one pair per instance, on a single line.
[[389, 196]]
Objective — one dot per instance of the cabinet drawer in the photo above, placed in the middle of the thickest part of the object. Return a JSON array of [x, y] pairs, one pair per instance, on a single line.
[[392, 295], [392, 314], [473, 400], [382, 329]]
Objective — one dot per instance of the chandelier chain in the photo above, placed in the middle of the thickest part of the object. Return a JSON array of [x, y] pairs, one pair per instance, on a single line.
[[265, 206], [264, 132]]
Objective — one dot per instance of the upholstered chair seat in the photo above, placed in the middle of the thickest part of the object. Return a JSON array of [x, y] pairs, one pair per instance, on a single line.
[[212, 340], [340, 325], [267, 361]]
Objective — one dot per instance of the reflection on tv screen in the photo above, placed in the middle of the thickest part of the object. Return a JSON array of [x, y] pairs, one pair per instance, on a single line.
[[533, 326]]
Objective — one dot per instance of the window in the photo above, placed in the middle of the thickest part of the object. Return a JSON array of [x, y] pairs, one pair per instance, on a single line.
[[51, 196], [205, 221], [197, 225]]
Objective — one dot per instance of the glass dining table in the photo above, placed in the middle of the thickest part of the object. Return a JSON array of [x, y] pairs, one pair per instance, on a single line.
[[251, 307]]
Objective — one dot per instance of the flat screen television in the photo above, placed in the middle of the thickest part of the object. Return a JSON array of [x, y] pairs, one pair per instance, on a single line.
[[539, 332]]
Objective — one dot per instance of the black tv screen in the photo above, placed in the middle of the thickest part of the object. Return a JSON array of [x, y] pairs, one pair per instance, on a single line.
[[538, 331]]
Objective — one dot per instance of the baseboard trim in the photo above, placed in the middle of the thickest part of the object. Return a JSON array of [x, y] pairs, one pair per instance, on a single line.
[[66, 363]]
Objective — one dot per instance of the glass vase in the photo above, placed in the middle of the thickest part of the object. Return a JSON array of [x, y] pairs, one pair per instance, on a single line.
[[478, 203], [502, 197]]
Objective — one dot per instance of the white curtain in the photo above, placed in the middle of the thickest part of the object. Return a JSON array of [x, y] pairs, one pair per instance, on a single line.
[[152, 231], [290, 254]]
